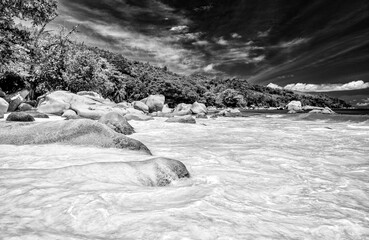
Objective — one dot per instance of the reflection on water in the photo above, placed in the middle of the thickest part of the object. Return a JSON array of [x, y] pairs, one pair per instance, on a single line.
[[252, 178]]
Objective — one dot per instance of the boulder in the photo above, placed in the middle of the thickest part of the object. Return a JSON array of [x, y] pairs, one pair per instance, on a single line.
[[55, 103], [117, 122], [24, 107], [325, 110], [70, 114], [4, 105], [33, 103], [85, 106], [140, 106], [182, 119], [154, 102], [137, 117], [166, 109], [20, 117], [294, 105], [14, 101], [198, 108], [182, 109], [77, 132], [230, 112]]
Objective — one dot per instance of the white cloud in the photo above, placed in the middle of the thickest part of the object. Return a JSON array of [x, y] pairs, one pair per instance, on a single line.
[[236, 35], [201, 43], [275, 86], [222, 41], [179, 29], [303, 87], [209, 68]]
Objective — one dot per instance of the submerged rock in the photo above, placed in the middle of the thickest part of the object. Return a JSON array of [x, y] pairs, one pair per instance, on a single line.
[[76, 132], [138, 117], [182, 119], [20, 117], [117, 122]]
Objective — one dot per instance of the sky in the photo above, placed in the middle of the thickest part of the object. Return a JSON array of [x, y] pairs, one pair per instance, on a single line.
[[310, 46]]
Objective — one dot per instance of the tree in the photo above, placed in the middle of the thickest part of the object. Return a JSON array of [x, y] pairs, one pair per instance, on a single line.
[[19, 46]]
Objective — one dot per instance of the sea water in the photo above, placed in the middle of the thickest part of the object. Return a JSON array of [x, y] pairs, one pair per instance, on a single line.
[[263, 177]]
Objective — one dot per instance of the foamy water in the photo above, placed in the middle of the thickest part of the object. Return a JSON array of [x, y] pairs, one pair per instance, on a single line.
[[252, 178]]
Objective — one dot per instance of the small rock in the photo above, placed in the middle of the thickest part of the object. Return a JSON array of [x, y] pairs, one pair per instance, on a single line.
[[182, 119], [70, 114], [117, 122], [20, 117]]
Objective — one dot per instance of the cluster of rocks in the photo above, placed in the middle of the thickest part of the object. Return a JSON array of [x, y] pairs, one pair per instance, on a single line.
[[296, 107]]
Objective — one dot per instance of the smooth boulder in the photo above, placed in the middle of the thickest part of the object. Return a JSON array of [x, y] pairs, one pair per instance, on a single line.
[[198, 108], [20, 117], [181, 119], [75, 132], [295, 106], [182, 109], [85, 106], [70, 114], [117, 122], [140, 106], [154, 102]]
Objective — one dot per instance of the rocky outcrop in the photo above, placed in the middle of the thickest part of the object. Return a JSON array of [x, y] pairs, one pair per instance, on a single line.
[[294, 105], [20, 117], [198, 108], [85, 106], [75, 132], [154, 102], [140, 106], [117, 122], [181, 119], [4, 105]]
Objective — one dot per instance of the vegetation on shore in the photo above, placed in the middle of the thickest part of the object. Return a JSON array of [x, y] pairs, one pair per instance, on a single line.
[[35, 59]]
